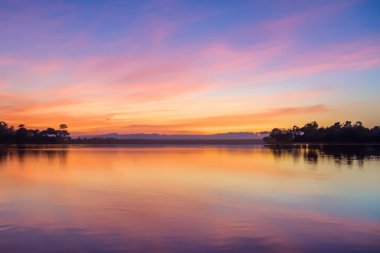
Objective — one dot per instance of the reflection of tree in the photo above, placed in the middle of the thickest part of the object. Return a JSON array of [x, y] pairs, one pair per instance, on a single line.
[[22, 153], [340, 154], [285, 151], [311, 156], [3, 155]]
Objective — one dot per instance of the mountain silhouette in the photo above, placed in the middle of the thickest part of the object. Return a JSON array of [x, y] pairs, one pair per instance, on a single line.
[[154, 136]]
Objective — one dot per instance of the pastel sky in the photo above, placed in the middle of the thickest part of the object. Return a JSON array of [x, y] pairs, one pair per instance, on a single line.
[[188, 66]]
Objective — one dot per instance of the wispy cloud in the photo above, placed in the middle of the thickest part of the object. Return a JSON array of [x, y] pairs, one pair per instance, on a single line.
[[170, 66]]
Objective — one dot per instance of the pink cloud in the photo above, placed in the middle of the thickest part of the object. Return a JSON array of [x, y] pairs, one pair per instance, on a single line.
[[155, 74], [354, 56]]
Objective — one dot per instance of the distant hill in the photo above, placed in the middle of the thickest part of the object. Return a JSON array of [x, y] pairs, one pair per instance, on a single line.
[[221, 136]]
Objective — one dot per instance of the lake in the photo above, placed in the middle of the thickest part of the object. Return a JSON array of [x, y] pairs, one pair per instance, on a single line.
[[190, 199]]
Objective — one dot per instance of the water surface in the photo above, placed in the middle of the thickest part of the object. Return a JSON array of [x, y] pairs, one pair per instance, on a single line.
[[189, 199]]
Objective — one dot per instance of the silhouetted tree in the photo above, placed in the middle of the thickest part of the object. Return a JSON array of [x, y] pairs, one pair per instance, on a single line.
[[24, 135], [336, 133], [63, 133]]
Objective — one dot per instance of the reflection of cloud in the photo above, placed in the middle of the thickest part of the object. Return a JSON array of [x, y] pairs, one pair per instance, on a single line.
[[76, 240], [41, 240], [73, 239], [185, 198]]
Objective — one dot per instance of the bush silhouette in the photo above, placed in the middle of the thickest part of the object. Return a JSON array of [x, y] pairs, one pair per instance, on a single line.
[[337, 133], [22, 135]]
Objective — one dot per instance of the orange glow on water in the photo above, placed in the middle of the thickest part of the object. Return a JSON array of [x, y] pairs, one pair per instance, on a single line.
[[197, 193]]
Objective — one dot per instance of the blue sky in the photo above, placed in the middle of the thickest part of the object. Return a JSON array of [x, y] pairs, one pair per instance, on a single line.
[[188, 66]]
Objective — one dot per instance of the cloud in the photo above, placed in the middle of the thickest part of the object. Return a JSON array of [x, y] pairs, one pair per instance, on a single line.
[[354, 56], [230, 121], [161, 71]]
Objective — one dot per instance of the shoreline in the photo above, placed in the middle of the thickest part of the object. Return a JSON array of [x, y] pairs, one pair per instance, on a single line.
[[143, 142], [182, 142]]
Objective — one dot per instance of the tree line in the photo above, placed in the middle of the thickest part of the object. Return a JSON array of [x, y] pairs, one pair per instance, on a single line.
[[337, 133], [22, 135]]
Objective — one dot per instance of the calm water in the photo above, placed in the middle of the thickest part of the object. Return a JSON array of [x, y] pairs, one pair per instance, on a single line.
[[189, 199]]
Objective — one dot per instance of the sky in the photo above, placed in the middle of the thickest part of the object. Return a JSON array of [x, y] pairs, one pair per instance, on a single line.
[[188, 67]]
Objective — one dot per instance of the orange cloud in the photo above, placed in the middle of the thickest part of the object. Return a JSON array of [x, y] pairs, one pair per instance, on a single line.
[[229, 121], [199, 86]]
